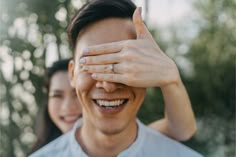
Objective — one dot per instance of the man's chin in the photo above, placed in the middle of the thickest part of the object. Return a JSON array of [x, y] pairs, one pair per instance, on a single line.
[[111, 131]]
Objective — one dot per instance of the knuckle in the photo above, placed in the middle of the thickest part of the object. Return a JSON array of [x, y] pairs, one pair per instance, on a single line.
[[107, 68], [131, 75], [130, 67], [128, 56], [129, 44]]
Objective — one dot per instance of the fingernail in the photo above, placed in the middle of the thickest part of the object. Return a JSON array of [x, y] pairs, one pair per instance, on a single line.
[[94, 76], [82, 60], [85, 51]]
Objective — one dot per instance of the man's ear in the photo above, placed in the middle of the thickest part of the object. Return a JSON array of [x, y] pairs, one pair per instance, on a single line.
[[71, 67]]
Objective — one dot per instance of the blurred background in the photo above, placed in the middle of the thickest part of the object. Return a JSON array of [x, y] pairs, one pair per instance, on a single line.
[[200, 36]]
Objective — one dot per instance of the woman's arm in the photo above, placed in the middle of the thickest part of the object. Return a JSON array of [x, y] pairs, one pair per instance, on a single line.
[[179, 121]]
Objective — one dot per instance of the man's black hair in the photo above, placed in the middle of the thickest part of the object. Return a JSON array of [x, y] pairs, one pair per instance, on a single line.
[[96, 10]]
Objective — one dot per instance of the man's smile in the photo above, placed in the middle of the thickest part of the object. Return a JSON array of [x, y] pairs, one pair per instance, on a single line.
[[110, 105]]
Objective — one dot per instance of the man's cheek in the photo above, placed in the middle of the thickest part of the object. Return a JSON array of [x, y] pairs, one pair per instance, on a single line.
[[84, 82]]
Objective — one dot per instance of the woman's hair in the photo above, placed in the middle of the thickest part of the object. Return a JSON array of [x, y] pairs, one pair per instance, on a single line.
[[46, 130]]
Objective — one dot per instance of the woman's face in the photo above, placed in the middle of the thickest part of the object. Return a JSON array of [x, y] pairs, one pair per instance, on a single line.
[[63, 106]]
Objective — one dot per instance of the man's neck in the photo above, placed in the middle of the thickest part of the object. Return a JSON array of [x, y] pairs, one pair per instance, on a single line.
[[98, 144]]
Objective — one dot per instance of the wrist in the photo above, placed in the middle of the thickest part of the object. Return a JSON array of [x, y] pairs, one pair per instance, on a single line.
[[173, 77], [173, 84]]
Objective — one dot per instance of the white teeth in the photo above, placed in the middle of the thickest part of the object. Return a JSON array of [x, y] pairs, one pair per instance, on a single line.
[[112, 103], [70, 118]]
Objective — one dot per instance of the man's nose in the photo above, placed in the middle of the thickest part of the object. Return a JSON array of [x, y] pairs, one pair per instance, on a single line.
[[109, 86]]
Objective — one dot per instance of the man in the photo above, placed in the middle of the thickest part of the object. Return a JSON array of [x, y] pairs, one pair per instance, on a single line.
[[115, 59]]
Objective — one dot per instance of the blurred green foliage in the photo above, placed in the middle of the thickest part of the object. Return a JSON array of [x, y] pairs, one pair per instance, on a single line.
[[28, 28]]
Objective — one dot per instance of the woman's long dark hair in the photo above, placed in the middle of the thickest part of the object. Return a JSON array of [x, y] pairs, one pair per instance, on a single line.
[[45, 129]]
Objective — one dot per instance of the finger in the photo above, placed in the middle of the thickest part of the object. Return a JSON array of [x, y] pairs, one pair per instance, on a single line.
[[117, 78], [103, 48], [98, 68], [100, 59], [140, 27], [108, 68]]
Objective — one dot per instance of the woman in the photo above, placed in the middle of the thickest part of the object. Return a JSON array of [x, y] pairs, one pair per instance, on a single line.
[[63, 110]]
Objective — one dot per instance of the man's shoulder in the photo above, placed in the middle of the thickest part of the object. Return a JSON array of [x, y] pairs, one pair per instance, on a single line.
[[57, 146], [156, 142]]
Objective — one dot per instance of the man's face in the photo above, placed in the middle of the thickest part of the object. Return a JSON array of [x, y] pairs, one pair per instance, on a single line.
[[94, 95]]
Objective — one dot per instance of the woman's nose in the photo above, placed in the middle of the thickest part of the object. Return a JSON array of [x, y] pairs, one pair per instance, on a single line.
[[68, 103]]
